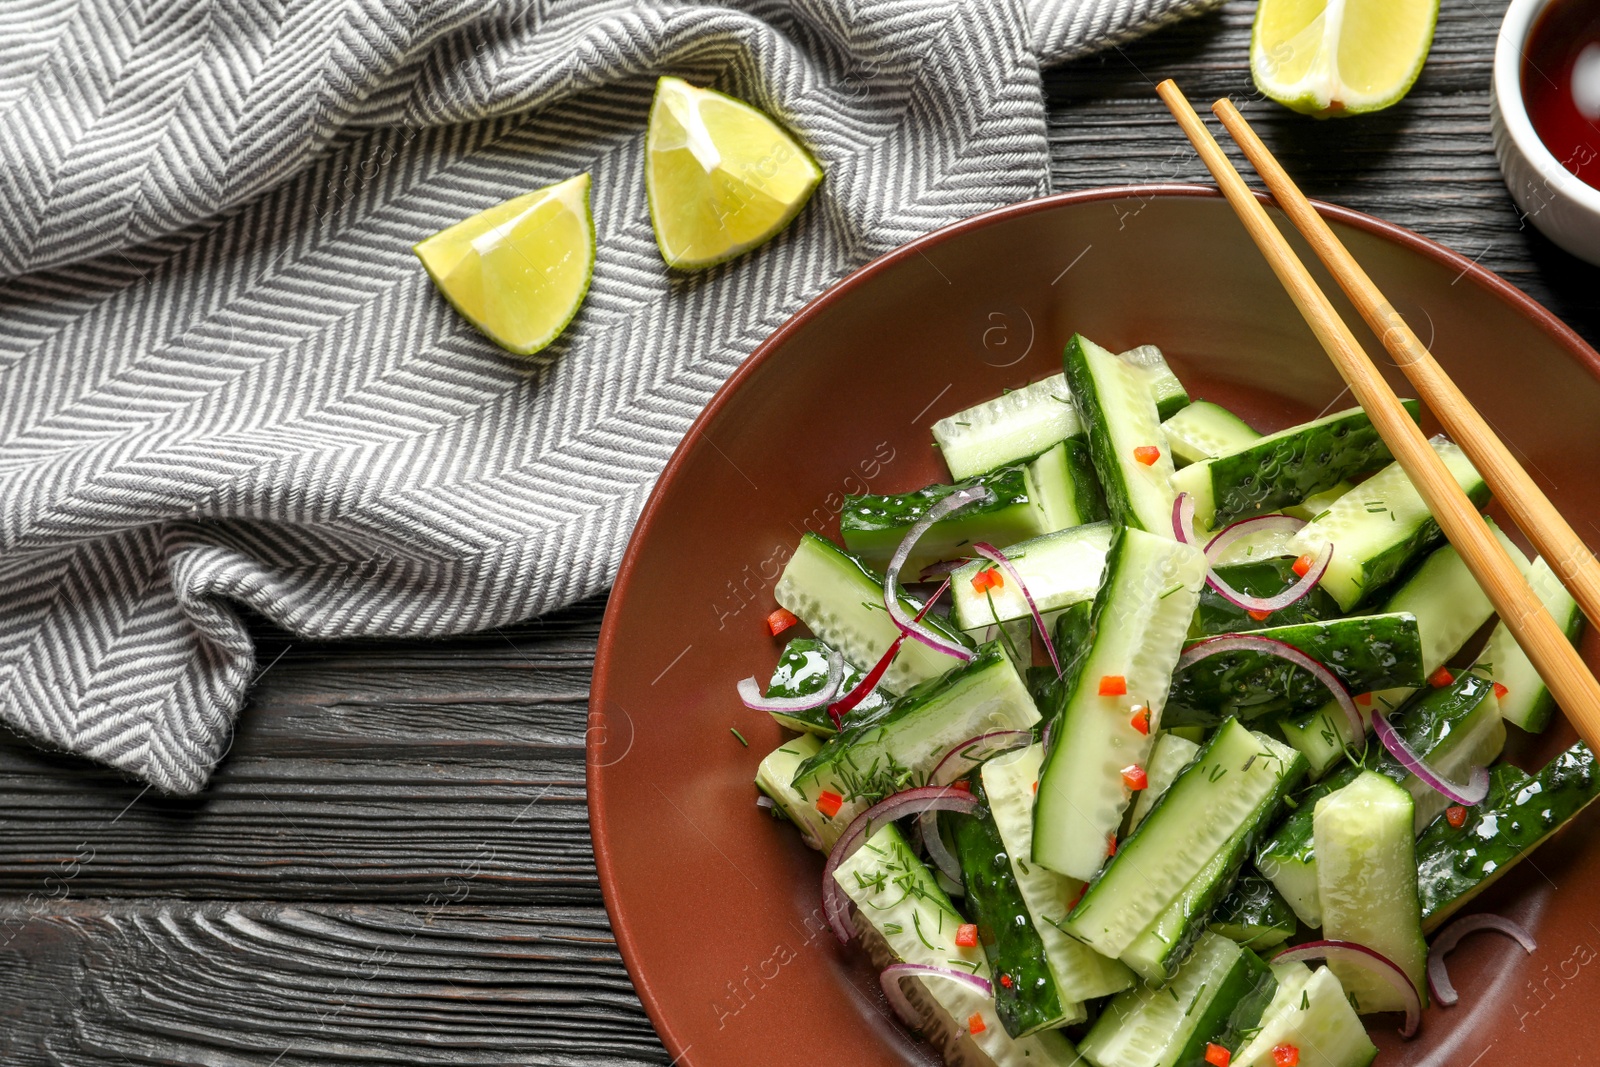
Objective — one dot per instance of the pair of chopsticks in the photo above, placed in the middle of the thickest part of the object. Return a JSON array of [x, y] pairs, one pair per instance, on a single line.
[[1557, 662]]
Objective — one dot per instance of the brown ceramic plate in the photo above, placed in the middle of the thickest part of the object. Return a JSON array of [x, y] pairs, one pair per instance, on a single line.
[[715, 905]]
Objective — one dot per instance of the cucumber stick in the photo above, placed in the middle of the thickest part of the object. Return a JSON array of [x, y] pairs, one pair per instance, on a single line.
[[1367, 882], [1220, 990], [802, 670], [1204, 430], [1260, 577], [1063, 481], [1123, 425], [1316, 1020], [873, 526], [1449, 607], [1026, 996], [1137, 627], [1237, 777], [1168, 757], [1284, 467], [773, 777], [1380, 526], [1254, 914], [1079, 971], [841, 600], [1455, 864], [1165, 388], [900, 746], [1527, 702], [1366, 652], [1314, 505], [1012, 427], [899, 902], [1059, 569]]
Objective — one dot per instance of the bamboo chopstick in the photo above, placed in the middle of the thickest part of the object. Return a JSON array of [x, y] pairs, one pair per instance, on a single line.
[[1566, 553], [1557, 662]]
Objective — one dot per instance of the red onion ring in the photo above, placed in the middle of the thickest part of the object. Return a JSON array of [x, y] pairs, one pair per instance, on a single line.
[[750, 691], [977, 494], [1271, 646], [896, 995], [994, 555], [764, 801], [1183, 530], [1245, 527], [1298, 591], [1438, 978], [869, 681], [968, 754], [835, 902], [1362, 956], [1473, 792], [1183, 519]]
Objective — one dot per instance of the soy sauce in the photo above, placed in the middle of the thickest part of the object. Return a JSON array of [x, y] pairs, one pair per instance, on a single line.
[[1566, 39]]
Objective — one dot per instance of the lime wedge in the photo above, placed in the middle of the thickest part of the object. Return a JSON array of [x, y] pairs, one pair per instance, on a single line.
[[721, 177], [518, 271], [1340, 57]]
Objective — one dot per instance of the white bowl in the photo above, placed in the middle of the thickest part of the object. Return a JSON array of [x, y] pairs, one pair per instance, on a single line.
[[1553, 198]]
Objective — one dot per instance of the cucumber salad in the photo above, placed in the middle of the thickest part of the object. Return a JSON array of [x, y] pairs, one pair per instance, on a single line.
[[1150, 740]]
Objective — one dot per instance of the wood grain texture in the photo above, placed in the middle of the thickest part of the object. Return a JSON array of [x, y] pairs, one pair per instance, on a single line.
[[393, 864]]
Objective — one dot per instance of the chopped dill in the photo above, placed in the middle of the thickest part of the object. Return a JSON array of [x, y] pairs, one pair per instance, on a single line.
[[740, 736]]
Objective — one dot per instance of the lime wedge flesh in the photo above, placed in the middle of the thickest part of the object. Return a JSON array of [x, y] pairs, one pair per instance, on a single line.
[[721, 176], [1340, 57], [519, 270]]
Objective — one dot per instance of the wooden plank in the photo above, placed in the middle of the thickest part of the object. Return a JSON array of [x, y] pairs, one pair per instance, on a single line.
[[226, 985]]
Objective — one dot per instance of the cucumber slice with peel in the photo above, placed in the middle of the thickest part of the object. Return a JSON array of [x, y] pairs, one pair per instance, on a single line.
[[1008, 429], [1527, 701], [1367, 882], [1062, 480], [1254, 914], [1314, 505], [1059, 569], [773, 776], [802, 670], [1284, 468], [1121, 418], [1137, 627], [1262, 577], [873, 526], [1165, 388], [841, 600], [1204, 430], [1079, 971], [1380, 527], [1317, 1021], [1235, 779]]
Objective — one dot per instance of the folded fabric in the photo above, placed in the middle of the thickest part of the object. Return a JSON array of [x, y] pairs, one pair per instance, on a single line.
[[225, 380]]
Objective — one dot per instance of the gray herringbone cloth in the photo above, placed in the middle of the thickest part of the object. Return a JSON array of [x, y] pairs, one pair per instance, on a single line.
[[225, 380]]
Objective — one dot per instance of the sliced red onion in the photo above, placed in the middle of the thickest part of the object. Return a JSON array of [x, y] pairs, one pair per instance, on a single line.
[[1283, 599], [1473, 792], [896, 995], [957, 763], [870, 680], [835, 902], [1183, 519], [1438, 978], [1271, 646], [750, 691], [977, 494], [994, 555], [1362, 956], [764, 801], [1248, 527]]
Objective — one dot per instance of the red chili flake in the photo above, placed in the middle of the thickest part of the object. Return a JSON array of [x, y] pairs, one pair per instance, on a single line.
[[1111, 846], [961, 784], [988, 579], [975, 1024], [1441, 678], [1141, 719], [781, 620], [1005, 980], [1084, 888], [1147, 454], [1365, 700], [1303, 564], [967, 935], [829, 803], [1259, 616], [1113, 685], [1134, 778], [1217, 1056], [1456, 816], [1035, 787], [1500, 691], [1286, 1056]]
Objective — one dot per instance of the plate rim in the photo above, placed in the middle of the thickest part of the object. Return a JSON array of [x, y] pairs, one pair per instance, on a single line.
[[1564, 336]]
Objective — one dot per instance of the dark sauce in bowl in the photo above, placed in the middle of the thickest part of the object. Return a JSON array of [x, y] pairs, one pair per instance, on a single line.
[[1564, 41]]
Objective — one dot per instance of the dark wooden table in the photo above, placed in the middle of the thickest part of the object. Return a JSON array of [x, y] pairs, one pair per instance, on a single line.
[[393, 863]]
